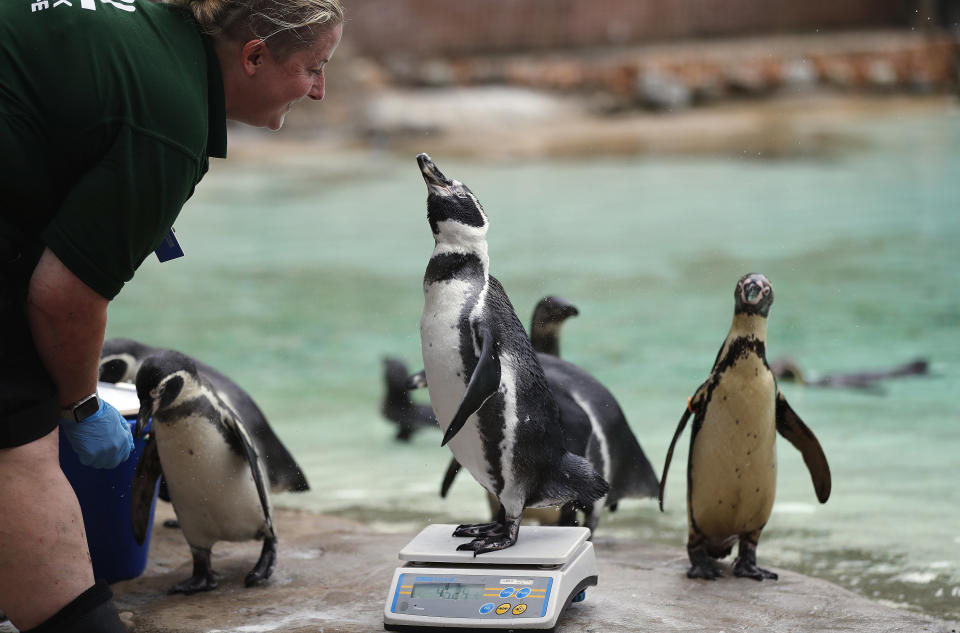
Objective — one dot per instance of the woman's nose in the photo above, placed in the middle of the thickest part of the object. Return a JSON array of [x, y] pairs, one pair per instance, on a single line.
[[317, 89]]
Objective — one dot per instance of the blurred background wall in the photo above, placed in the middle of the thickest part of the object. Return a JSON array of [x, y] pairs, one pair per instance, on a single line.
[[382, 27]]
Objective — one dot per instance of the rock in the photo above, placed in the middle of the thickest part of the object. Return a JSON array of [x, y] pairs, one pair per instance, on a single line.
[[333, 575], [659, 90]]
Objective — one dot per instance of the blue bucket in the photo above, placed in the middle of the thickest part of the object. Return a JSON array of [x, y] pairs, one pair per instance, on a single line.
[[105, 499]]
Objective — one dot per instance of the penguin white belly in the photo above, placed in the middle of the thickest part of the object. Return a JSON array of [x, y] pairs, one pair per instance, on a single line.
[[211, 487], [445, 371], [733, 473]]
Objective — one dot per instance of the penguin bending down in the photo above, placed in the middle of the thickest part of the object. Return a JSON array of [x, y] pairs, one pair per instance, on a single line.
[[593, 423], [397, 405], [120, 361], [215, 477], [486, 385], [732, 468]]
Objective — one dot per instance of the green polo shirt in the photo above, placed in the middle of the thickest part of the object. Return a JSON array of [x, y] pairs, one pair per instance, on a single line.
[[108, 112]]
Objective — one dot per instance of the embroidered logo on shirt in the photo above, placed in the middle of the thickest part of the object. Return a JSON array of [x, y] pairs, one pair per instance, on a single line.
[[90, 5]]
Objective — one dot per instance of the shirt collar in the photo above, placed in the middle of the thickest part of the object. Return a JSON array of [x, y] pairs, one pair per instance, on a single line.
[[216, 102]]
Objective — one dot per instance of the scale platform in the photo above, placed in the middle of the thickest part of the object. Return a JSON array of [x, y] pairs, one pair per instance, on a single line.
[[526, 586]]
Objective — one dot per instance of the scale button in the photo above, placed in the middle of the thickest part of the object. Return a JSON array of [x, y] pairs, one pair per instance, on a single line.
[[506, 593], [503, 608], [520, 608], [523, 593], [487, 608]]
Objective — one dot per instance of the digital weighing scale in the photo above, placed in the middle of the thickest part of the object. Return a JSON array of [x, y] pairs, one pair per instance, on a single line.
[[526, 586]]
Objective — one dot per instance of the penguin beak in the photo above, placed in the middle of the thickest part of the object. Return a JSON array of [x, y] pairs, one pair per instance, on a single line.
[[431, 175], [569, 311], [143, 418], [751, 293]]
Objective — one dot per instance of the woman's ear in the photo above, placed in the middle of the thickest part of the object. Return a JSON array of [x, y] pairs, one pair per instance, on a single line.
[[252, 55]]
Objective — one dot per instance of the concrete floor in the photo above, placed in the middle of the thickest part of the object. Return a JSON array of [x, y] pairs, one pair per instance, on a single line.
[[333, 575]]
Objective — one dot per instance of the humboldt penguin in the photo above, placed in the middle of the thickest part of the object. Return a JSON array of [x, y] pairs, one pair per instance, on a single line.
[[397, 405], [487, 387], [593, 422], [732, 467], [549, 315], [119, 362], [216, 479], [787, 370]]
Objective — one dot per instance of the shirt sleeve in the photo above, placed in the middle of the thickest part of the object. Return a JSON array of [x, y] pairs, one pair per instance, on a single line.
[[119, 211]]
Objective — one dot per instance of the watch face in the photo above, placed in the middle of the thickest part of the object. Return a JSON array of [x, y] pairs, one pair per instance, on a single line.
[[86, 408]]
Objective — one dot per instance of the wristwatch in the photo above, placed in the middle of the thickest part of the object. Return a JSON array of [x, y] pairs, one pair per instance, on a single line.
[[81, 409]]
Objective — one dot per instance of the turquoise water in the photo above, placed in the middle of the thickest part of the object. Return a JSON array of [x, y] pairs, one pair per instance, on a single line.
[[301, 274]]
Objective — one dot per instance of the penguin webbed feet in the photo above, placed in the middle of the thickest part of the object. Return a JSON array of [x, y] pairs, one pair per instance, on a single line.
[[746, 565], [478, 530], [203, 578], [486, 544], [265, 565], [702, 565], [489, 537]]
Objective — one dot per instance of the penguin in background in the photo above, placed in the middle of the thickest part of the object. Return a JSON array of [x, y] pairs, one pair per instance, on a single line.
[[216, 479], [549, 315], [732, 467], [487, 387], [397, 405], [593, 422], [120, 361]]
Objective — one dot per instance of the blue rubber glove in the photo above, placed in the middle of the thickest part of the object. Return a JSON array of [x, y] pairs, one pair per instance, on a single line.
[[103, 440]]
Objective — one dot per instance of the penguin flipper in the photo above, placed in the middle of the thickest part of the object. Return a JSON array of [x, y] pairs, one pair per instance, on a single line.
[[449, 476], [254, 460], [483, 383], [144, 484], [666, 464], [791, 427]]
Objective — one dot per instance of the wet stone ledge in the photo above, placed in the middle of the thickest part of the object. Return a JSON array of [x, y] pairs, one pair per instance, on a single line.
[[333, 575]]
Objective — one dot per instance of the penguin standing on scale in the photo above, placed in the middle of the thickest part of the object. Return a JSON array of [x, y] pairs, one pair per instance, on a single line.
[[732, 468], [593, 423], [486, 385]]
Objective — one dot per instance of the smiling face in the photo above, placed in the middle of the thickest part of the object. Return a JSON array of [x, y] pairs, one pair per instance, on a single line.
[[264, 87]]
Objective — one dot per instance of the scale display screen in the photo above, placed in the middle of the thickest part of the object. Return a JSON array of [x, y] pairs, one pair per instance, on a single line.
[[447, 591]]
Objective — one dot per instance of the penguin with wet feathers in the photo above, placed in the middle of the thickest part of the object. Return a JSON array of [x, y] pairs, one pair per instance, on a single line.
[[594, 425], [120, 361], [217, 481], [487, 387], [732, 466]]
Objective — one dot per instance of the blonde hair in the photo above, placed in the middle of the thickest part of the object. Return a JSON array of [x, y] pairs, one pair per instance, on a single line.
[[286, 25]]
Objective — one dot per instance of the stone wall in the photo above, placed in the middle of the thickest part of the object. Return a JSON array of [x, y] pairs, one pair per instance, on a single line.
[[381, 28]]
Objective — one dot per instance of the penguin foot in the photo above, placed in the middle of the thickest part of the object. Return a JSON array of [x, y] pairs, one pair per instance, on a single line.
[[705, 572], [265, 565], [203, 578], [488, 544], [478, 530], [195, 584], [748, 569], [702, 565]]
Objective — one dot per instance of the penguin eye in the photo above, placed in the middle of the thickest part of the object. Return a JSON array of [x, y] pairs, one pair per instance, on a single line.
[[766, 291]]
